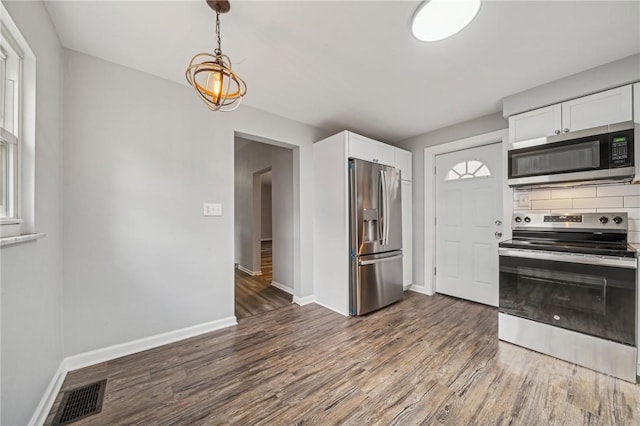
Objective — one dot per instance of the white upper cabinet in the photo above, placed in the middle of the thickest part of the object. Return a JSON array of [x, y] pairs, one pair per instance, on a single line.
[[600, 109], [370, 150], [535, 124], [404, 163]]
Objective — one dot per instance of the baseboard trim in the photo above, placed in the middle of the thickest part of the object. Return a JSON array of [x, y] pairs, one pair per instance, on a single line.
[[282, 287], [330, 308], [249, 271], [419, 289], [123, 349], [97, 356], [48, 398], [301, 301]]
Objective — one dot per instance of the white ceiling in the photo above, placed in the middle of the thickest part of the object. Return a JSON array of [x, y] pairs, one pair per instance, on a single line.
[[354, 64]]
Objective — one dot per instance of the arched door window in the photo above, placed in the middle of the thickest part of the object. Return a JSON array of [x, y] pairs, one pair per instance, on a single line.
[[468, 170]]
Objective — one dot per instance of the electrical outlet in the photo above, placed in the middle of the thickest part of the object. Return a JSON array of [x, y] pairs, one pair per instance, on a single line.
[[523, 200], [212, 209]]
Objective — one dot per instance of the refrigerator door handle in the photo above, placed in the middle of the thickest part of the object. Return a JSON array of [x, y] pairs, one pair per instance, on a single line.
[[385, 208], [380, 260], [381, 213]]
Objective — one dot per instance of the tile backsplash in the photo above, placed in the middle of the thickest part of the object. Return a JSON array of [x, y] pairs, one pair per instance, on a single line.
[[598, 198]]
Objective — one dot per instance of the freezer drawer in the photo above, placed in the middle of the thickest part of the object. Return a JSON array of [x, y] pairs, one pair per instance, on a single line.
[[377, 281]]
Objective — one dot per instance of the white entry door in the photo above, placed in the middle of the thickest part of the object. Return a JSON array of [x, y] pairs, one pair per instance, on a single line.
[[469, 223]]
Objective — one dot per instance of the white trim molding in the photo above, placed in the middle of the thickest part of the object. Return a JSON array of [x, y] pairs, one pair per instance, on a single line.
[[48, 398], [419, 289], [301, 301], [282, 287], [430, 153], [249, 271], [116, 351]]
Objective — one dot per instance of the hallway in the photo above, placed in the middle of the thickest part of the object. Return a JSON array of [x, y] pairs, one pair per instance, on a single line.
[[255, 294]]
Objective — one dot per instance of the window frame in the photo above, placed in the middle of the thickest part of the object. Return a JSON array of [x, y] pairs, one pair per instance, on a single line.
[[21, 221]]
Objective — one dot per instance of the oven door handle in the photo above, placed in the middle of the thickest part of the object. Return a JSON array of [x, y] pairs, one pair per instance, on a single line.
[[587, 259]]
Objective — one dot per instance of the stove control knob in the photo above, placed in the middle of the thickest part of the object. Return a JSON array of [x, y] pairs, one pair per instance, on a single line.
[[617, 220], [527, 219], [518, 219], [603, 220]]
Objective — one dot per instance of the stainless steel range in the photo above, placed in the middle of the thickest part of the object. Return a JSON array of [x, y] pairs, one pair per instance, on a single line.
[[568, 289]]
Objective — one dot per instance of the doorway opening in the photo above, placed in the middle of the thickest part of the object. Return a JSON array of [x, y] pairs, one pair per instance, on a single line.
[[263, 228]]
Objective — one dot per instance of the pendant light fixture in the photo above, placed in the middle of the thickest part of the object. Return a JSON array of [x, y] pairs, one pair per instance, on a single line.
[[438, 19], [211, 76]]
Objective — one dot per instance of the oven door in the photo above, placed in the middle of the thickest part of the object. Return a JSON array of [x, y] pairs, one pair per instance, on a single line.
[[594, 295]]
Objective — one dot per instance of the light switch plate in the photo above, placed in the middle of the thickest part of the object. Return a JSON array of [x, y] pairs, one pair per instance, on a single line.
[[523, 200], [212, 209]]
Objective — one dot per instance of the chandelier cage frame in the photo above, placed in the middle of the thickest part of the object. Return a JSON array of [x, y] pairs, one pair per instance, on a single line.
[[212, 76]]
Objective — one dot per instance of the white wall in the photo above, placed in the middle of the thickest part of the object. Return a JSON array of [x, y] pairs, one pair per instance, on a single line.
[[251, 159], [141, 156], [265, 209], [607, 76], [31, 336], [416, 145]]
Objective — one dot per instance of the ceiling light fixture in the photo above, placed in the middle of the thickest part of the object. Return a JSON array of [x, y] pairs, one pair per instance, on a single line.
[[438, 19], [211, 76]]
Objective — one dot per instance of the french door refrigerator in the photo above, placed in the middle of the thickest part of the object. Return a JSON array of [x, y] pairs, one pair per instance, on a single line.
[[375, 222]]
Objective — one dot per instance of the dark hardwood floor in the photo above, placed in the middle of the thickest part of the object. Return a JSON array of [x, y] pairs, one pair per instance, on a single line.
[[254, 294], [424, 360], [266, 261]]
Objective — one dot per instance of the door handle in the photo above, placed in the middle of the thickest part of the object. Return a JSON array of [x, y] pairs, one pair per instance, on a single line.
[[498, 222], [380, 260], [498, 234]]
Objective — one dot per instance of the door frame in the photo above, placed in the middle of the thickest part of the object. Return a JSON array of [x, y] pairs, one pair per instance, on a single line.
[[302, 232], [498, 136]]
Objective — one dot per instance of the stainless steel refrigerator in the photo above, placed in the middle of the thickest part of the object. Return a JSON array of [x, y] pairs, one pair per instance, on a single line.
[[375, 221]]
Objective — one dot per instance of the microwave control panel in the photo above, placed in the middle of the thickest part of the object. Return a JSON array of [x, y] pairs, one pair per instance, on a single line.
[[621, 154]]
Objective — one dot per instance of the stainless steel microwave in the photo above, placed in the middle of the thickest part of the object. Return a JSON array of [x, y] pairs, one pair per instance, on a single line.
[[603, 153]]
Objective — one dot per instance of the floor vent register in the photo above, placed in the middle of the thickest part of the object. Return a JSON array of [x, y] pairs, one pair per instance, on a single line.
[[80, 403]]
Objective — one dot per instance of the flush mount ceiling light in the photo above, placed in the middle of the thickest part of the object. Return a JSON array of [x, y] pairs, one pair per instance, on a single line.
[[438, 19], [211, 76]]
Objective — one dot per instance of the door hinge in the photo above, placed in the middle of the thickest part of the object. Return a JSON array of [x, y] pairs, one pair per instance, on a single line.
[[434, 171], [434, 271]]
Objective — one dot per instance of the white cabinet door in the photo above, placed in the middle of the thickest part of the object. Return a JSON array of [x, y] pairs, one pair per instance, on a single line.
[[361, 147], [609, 107], [403, 162], [535, 124], [385, 154], [370, 150], [407, 238]]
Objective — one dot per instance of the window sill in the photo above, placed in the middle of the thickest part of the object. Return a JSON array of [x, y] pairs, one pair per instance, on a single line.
[[7, 241]]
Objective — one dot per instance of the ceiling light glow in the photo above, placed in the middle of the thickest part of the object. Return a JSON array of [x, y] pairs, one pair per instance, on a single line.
[[438, 19]]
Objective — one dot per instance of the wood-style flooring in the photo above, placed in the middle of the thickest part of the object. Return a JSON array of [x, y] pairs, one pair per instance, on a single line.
[[254, 294], [424, 360]]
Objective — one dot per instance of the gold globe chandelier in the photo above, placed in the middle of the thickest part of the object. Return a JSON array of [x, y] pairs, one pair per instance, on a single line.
[[211, 76]]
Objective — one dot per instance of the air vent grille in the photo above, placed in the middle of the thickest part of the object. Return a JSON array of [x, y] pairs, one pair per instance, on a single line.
[[80, 403]]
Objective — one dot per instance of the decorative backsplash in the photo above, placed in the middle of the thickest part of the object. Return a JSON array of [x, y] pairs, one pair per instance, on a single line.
[[599, 198]]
